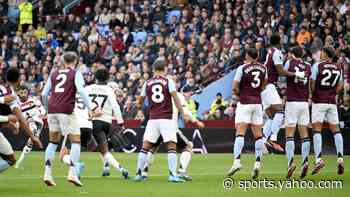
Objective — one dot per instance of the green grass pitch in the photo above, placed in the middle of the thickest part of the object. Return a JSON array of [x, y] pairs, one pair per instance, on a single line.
[[208, 173]]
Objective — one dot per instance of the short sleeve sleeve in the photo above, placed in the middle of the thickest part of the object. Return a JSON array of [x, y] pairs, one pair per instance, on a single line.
[[171, 85], [314, 71], [277, 57], [143, 90], [238, 74]]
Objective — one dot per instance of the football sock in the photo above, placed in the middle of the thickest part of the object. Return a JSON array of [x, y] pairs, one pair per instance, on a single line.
[[185, 159], [25, 152], [75, 153], [290, 150], [49, 157], [238, 146], [317, 139], [267, 128], [141, 161], [112, 161], [305, 150], [3, 165], [149, 161], [276, 124], [259, 143], [338, 140], [172, 161]]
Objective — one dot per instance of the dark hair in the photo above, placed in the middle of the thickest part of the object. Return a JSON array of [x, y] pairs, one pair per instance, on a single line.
[[275, 40], [329, 51], [69, 57], [159, 65], [12, 75], [253, 53], [297, 51], [101, 75], [23, 87]]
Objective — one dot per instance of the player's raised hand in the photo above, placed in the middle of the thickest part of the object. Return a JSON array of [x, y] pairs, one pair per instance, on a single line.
[[36, 141]]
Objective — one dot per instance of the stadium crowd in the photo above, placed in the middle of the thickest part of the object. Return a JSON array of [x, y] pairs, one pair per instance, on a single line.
[[201, 39]]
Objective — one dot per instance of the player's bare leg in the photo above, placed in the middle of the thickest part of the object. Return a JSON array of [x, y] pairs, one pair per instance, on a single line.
[[338, 141], [259, 143], [54, 138], [317, 140], [290, 147], [237, 148], [142, 159], [305, 149]]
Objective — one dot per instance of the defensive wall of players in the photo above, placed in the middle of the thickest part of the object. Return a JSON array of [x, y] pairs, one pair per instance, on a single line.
[[217, 137]]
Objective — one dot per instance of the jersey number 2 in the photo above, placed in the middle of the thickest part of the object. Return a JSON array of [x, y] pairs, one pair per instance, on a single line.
[[61, 78]]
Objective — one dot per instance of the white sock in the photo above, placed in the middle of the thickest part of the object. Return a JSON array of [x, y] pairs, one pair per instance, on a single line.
[[26, 150], [49, 157], [267, 128], [66, 159], [112, 161], [172, 162], [185, 159], [75, 153], [276, 125], [141, 161], [149, 161], [104, 162]]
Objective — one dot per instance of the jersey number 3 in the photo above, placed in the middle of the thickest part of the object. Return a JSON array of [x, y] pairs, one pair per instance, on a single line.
[[157, 93], [256, 81], [61, 78]]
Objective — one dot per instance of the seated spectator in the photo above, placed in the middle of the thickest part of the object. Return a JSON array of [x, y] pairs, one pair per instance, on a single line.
[[218, 106]]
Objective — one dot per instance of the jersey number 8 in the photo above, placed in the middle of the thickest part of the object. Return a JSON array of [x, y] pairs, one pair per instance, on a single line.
[[157, 93]]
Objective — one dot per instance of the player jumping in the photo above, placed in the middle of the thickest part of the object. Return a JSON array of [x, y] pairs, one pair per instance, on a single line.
[[159, 91], [326, 83], [297, 110], [249, 81], [271, 99], [63, 84], [34, 112]]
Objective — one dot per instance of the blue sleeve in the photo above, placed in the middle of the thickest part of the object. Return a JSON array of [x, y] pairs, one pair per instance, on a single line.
[[46, 92], [286, 65], [79, 84], [314, 72], [171, 86], [143, 90]]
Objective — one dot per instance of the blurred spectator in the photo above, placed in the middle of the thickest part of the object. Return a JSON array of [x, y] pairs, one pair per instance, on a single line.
[[201, 40], [25, 15], [218, 107]]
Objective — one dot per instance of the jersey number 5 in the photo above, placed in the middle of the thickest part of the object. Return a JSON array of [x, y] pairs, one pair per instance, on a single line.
[[61, 78]]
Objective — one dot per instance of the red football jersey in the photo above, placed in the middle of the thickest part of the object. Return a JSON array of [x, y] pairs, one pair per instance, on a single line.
[[251, 77], [327, 75], [298, 90], [63, 91], [157, 90], [273, 56]]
